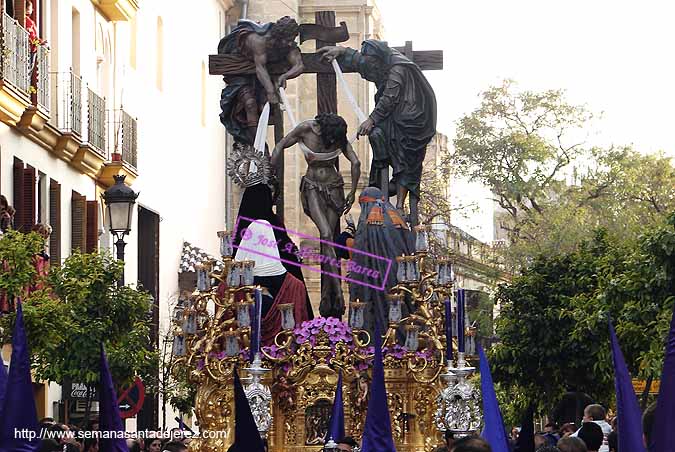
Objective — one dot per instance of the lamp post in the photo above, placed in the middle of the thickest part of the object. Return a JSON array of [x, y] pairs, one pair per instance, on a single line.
[[119, 200]]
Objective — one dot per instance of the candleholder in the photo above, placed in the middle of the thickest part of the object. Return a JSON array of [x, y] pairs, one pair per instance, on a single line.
[[356, 316], [226, 248], [412, 337], [422, 238], [401, 272], [203, 279], [287, 317], [231, 343], [458, 405], [259, 396]]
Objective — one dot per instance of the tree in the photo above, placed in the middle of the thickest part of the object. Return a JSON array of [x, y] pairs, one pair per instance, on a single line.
[[554, 190], [553, 319], [519, 144], [81, 308]]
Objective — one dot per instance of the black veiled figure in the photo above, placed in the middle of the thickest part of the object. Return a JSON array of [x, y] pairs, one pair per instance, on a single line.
[[380, 232], [257, 204]]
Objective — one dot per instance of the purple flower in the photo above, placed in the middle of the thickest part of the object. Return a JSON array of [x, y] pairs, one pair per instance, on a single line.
[[200, 364]]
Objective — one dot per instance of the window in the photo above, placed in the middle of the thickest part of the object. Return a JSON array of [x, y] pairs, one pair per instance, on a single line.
[[160, 53]]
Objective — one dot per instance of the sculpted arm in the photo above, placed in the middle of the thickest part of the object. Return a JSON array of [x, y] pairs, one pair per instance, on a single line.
[[356, 174], [289, 140], [297, 66], [260, 60]]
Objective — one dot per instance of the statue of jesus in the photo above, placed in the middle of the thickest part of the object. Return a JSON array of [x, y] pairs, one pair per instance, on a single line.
[[322, 195]]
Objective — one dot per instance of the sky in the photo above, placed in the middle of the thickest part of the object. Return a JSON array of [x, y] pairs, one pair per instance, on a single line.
[[617, 57]]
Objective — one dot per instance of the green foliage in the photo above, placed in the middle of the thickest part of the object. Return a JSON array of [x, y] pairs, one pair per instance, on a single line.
[[528, 149], [82, 309], [553, 318], [17, 272]]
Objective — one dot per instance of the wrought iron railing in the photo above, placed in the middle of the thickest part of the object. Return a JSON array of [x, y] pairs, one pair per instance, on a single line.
[[66, 111], [41, 77], [15, 56], [124, 136], [96, 123]]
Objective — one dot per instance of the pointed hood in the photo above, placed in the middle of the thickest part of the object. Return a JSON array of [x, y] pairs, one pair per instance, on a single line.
[[336, 427], [525, 442], [3, 382], [630, 416], [109, 412], [246, 434], [18, 410], [493, 424], [377, 435], [663, 433]]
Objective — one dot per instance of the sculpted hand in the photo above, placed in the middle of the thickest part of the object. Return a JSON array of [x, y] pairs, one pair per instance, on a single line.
[[272, 98], [348, 203], [329, 53], [366, 127], [280, 83]]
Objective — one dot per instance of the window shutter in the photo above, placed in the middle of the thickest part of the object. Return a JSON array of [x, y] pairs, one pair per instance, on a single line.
[[78, 226], [18, 193], [55, 222], [92, 226], [29, 198]]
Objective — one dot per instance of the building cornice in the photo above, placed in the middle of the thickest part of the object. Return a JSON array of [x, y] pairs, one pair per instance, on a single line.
[[117, 10]]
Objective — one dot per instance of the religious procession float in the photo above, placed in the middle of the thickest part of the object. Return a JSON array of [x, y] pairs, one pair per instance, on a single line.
[[250, 315]]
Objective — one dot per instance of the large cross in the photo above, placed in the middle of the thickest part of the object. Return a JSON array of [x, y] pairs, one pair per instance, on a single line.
[[326, 88]]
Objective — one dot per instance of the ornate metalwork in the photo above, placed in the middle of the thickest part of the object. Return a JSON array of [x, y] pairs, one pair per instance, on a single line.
[[247, 167], [259, 397], [458, 405]]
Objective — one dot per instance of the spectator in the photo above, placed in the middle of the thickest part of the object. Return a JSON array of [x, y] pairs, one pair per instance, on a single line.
[[49, 445], [648, 426], [571, 444], [91, 445], [567, 429], [441, 449], [613, 440], [515, 431], [133, 445], [175, 446], [596, 413], [154, 445], [551, 428], [471, 444], [539, 441], [6, 215], [548, 449], [347, 444], [591, 434]]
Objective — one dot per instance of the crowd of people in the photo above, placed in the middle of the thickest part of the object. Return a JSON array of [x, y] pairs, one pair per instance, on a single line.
[[57, 437], [597, 433]]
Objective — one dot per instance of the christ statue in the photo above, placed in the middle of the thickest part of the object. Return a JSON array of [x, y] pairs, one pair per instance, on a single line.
[[321, 189]]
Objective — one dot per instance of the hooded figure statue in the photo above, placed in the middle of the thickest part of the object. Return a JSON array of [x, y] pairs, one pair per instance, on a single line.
[[381, 233]]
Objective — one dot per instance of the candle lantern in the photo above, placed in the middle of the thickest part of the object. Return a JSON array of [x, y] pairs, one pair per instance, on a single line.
[[179, 347], [287, 318], [231, 343], [422, 238], [412, 337], [178, 312], [234, 278], [203, 279], [247, 272], [412, 270], [190, 320], [244, 314], [226, 249], [394, 308], [356, 314], [401, 272]]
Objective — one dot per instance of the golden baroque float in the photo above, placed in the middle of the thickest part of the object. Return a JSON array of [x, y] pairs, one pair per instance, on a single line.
[[292, 402]]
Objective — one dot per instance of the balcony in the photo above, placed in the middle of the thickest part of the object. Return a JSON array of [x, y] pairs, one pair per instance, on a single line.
[[15, 69], [123, 145]]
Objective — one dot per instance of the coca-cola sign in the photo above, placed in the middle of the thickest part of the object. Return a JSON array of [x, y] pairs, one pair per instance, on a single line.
[[78, 391]]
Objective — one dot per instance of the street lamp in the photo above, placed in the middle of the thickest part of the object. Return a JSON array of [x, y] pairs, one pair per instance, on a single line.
[[119, 200]]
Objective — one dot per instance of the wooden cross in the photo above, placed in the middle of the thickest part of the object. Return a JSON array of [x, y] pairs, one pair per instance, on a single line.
[[326, 84]]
